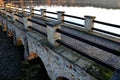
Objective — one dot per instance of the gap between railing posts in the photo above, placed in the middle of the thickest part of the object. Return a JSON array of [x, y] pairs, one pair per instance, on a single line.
[[52, 35]]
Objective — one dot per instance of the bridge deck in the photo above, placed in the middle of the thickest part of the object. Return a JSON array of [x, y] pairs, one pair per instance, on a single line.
[[92, 51]]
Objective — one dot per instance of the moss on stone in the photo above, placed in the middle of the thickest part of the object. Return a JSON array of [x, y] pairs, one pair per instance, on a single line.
[[100, 72]]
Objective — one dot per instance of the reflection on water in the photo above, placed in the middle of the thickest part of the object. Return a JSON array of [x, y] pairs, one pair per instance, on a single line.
[[101, 14]]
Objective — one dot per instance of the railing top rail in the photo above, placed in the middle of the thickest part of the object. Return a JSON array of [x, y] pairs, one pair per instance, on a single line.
[[107, 32], [51, 17], [51, 12], [108, 24], [78, 24], [37, 10]]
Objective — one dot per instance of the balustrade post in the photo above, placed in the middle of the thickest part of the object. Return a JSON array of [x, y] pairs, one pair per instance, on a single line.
[[31, 11], [43, 13], [5, 11], [52, 35], [14, 17], [89, 24], [2, 11], [26, 22], [23, 10], [9, 8], [60, 15], [16, 8]]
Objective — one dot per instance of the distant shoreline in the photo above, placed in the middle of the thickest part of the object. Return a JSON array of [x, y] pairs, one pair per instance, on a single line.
[[109, 4]]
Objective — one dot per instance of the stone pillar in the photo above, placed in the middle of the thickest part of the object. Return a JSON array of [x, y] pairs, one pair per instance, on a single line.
[[60, 15], [9, 8], [52, 35], [89, 24], [23, 10], [26, 22], [26, 48], [14, 17], [5, 11], [31, 11], [16, 8], [43, 13]]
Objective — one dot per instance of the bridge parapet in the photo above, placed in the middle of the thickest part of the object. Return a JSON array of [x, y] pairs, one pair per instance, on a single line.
[[60, 60]]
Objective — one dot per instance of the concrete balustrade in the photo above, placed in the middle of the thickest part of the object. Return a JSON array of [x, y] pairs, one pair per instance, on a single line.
[[26, 17], [23, 10], [43, 13], [14, 17], [26, 22], [89, 24], [5, 11], [31, 11], [52, 35], [16, 8], [60, 15]]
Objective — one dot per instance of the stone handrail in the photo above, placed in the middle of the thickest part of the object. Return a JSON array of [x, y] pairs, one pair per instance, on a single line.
[[53, 34]]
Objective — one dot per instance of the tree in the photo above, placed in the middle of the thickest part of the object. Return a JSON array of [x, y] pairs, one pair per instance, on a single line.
[[48, 2], [1, 2]]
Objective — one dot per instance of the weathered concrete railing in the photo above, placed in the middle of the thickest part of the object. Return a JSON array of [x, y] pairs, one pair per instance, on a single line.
[[88, 19], [54, 31], [89, 22]]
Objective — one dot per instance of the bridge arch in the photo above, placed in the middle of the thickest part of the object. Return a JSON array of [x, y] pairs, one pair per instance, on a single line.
[[17, 41], [21, 40], [32, 56], [10, 31], [4, 25], [26, 48]]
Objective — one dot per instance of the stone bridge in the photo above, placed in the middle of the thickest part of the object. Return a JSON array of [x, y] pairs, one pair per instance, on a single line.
[[67, 49]]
